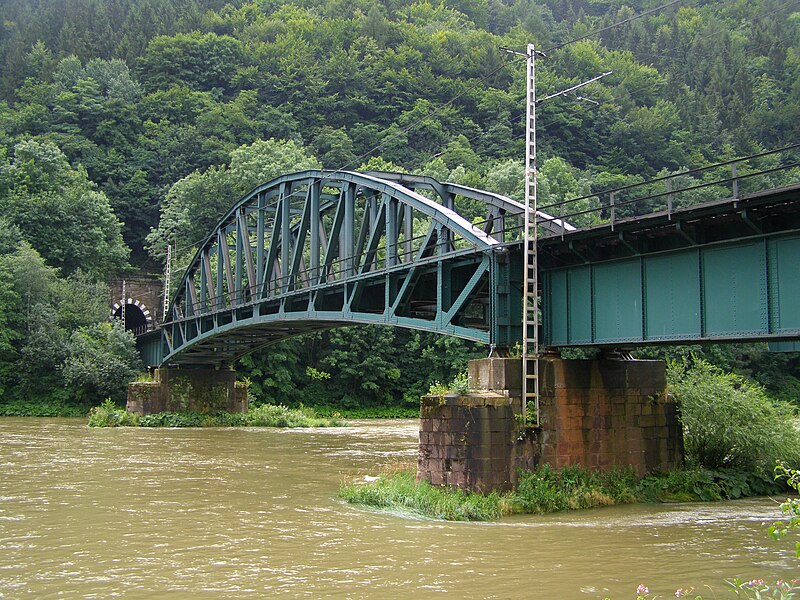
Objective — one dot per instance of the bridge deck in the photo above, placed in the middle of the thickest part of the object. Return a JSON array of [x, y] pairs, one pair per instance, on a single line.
[[315, 250]]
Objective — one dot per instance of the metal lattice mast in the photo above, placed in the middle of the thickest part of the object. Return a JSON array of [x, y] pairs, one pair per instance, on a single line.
[[124, 302], [167, 282], [530, 302]]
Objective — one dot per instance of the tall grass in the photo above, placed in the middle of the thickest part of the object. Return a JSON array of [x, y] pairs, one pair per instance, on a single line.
[[108, 414], [266, 415], [547, 490], [400, 491]]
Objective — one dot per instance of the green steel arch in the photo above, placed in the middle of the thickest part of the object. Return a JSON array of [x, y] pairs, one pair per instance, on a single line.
[[320, 249]]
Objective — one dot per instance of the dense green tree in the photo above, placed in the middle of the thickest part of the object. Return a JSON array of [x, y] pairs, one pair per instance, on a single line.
[[200, 61], [60, 212], [54, 338], [195, 203], [100, 361]]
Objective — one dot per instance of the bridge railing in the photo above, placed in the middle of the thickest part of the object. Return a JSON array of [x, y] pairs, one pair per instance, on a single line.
[[339, 270], [730, 180]]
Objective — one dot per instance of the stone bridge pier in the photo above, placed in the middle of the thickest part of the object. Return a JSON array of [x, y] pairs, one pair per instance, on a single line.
[[595, 413], [176, 390]]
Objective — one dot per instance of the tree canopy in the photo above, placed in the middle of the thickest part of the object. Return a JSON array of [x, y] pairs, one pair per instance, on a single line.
[[129, 124]]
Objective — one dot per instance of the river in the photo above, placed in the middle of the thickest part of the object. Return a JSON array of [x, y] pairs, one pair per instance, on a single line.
[[252, 513]]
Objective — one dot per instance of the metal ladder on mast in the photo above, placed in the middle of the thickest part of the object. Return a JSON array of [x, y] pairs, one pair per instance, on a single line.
[[530, 308], [167, 282]]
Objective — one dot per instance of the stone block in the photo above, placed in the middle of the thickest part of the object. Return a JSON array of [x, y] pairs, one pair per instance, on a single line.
[[647, 421], [495, 374], [436, 477], [591, 413]]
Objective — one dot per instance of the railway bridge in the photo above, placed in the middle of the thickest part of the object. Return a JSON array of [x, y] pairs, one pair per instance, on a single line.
[[706, 255]]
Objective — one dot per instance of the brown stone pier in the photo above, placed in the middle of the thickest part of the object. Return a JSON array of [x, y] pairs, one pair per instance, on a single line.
[[595, 413], [176, 390]]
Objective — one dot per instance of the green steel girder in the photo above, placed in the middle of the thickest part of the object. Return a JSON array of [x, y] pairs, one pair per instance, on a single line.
[[318, 249], [721, 271], [742, 289], [499, 207]]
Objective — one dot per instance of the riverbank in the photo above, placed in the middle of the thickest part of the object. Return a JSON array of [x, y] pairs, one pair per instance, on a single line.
[[60, 408], [109, 414], [50, 407], [547, 490]]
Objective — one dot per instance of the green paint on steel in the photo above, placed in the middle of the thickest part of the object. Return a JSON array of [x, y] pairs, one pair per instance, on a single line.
[[672, 296], [579, 303], [735, 290], [784, 264], [784, 346], [555, 320], [617, 301]]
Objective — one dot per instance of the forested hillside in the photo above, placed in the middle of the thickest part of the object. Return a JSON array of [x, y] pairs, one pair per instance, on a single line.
[[129, 124]]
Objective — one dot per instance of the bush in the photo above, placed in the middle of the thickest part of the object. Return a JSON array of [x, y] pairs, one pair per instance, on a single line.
[[266, 415], [173, 419], [730, 421], [369, 412], [401, 491], [109, 414], [50, 407], [692, 485], [546, 490]]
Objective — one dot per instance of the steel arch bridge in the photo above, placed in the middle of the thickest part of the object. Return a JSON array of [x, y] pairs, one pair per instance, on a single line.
[[706, 255], [320, 249]]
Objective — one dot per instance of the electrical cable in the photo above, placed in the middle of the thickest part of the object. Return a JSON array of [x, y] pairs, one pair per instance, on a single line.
[[475, 83], [609, 27]]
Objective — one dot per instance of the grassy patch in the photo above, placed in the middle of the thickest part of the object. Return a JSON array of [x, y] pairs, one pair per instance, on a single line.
[[50, 407], [370, 412], [547, 490], [400, 491], [110, 415]]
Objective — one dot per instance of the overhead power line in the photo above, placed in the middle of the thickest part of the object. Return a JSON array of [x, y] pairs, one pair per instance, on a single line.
[[609, 27]]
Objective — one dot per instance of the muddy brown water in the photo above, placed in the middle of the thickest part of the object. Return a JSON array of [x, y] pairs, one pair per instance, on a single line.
[[253, 513]]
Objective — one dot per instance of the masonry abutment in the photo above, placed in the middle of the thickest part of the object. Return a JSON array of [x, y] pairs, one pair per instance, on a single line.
[[595, 413], [178, 390]]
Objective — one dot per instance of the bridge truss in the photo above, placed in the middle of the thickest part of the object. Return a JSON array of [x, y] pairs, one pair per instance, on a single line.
[[319, 249], [688, 257]]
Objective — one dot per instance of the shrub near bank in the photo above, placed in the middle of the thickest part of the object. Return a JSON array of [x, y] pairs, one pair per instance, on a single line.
[[47, 407], [730, 421], [109, 414], [734, 435]]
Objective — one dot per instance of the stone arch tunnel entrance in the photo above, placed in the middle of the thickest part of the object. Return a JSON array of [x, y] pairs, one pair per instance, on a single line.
[[137, 318]]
